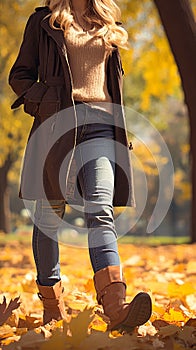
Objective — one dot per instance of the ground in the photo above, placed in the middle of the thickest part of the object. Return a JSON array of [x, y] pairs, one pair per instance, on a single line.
[[167, 272]]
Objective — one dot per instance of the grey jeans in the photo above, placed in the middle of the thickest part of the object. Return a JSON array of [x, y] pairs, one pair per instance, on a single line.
[[95, 158]]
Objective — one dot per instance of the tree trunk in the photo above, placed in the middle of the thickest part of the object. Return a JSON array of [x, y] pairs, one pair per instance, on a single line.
[[4, 197], [180, 27]]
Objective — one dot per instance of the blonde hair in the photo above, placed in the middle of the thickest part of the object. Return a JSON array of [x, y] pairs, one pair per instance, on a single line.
[[104, 13]]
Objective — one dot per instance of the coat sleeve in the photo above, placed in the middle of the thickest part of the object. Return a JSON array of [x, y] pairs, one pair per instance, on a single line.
[[25, 69]]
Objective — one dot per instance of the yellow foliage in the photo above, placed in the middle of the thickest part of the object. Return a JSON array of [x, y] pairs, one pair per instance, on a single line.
[[185, 149], [159, 72], [182, 185], [14, 126], [151, 59], [150, 156], [127, 60]]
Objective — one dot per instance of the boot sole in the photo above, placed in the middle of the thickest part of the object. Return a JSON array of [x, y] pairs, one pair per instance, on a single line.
[[139, 313]]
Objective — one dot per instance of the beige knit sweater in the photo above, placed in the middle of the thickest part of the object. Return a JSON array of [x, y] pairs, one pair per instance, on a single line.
[[88, 58]]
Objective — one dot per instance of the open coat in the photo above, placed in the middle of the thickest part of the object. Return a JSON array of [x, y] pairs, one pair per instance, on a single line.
[[41, 77]]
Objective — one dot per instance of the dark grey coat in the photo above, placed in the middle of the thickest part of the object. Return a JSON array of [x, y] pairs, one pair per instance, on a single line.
[[41, 78]]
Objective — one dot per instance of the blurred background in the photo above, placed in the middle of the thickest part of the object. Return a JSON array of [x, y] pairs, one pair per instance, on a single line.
[[152, 88]]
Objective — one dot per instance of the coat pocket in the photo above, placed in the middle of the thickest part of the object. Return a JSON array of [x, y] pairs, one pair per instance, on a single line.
[[33, 98], [50, 103]]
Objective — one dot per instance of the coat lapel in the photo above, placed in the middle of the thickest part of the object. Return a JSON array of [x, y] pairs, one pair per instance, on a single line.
[[57, 35]]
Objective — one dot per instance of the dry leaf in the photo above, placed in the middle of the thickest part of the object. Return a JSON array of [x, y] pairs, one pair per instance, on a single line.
[[168, 331], [29, 322], [6, 311], [6, 331], [191, 322], [160, 323], [147, 329]]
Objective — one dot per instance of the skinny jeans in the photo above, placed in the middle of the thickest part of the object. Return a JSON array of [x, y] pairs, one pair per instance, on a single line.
[[95, 158]]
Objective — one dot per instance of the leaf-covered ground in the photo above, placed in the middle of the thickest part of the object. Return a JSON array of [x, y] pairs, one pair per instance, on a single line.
[[168, 273]]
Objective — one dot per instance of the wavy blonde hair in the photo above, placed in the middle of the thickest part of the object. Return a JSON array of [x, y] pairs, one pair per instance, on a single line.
[[104, 13]]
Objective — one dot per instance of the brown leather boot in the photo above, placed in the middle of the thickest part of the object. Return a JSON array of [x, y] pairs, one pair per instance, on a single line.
[[53, 304], [111, 293]]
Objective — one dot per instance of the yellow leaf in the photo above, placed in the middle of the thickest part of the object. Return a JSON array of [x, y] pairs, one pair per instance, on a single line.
[[175, 290], [79, 326], [6, 331], [158, 310], [174, 316], [89, 286], [98, 324]]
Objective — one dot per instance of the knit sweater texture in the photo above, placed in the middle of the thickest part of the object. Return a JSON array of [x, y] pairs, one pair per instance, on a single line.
[[88, 56]]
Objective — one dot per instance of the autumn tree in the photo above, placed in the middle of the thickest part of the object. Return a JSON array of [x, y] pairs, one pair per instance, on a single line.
[[155, 66], [180, 27], [14, 126], [151, 79]]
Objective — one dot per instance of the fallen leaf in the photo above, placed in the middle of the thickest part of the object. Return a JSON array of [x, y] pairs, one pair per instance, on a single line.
[[191, 322], [174, 316], [160, 323], [79, 326], [168, 331], [147, 329], [29, 322], [6, 311], [6, 331]]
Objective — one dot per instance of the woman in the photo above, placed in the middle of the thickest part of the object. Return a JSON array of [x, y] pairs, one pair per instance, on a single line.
[[68, 75]]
